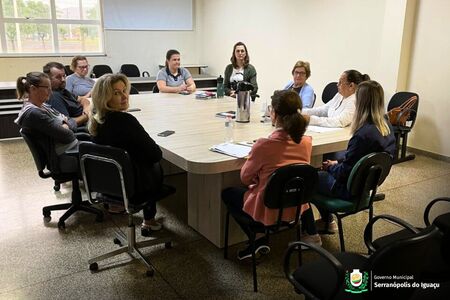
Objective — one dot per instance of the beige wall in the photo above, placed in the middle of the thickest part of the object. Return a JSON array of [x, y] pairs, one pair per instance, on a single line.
[[400, 43], [430, 77]]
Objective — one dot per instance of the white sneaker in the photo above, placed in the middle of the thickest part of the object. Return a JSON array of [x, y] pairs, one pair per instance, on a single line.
[[332, 226], [311, 239]]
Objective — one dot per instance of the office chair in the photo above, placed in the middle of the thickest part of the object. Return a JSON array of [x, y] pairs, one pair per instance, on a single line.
[[133, 90], [366, 176], [401, 132], [131, 70], [440, 268], [330, 276], [108, 171], [155, 89], [329, 92], [42, 149], [68, 70], [100, 70], [288, 187]]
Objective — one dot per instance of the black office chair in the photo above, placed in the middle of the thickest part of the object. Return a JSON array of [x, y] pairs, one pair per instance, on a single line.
[[108, 171], [329, 92], [100, 70], [439, 270], [131, 70], [289, 186], [43, 151], [133, 90], [155, 89], [329, 276], [401, 132], [68, 70], [366, 176]]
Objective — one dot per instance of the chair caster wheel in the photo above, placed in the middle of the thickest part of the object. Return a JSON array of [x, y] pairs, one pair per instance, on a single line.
[[117, 242], [93, 267], [47, 219], [61, 225], [168, 245], [46, 213], [150, 273], [56, 187]]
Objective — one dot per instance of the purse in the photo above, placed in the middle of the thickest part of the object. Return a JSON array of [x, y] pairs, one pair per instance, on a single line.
[[399, 115]]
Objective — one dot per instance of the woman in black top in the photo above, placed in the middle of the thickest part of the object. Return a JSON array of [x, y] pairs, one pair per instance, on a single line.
[[112, 125]]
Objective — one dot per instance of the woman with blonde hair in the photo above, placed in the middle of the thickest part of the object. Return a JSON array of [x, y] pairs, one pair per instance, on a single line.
[[112, 125], [371, 133]]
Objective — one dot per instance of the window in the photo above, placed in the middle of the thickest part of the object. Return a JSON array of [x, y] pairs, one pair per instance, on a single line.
[[50, 27]]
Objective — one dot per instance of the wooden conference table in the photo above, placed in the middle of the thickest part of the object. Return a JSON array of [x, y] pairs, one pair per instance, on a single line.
[[208, 173]]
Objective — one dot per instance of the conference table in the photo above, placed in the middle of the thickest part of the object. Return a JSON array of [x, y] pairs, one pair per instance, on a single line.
[[197, 128]]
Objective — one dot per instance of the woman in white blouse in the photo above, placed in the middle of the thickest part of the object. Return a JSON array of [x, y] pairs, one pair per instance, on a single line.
[[339, 111]]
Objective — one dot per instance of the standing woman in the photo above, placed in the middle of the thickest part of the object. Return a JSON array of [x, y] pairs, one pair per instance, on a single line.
[[286, 145], [173, 78], [240, 69], [42, 121], [112, 125], [371, 133], [339, 111], [300, 73]]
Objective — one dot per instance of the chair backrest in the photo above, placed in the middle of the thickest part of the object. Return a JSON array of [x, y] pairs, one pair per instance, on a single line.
[[405, 256], [68, 70], [290, 186], [43, 151], [367, 174], [130, 70], [107, 170], [133, 90], [329, 92], [155, 89], [399, 98], [100, 70]]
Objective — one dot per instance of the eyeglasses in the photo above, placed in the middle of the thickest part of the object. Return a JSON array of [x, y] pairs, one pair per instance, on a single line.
[[341, 83], [43, 86], [299, 73], [83, 67]]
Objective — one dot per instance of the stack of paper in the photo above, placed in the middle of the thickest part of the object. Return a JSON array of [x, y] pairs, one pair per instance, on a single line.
[[235, 150]]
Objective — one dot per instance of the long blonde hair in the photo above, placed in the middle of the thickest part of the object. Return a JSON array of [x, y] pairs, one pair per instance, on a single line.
[[102, 93], [370, 107]]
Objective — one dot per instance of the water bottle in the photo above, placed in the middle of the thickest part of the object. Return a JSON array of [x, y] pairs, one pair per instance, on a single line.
[[228, 130], [220, 88]]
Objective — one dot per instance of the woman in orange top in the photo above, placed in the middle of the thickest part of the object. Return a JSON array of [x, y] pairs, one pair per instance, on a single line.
[[286, 145]]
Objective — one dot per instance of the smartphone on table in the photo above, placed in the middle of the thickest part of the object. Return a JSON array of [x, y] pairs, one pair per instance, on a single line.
[[166, 133]]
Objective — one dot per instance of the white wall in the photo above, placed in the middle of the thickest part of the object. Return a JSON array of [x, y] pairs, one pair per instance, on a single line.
[[332, 35], [430, 77]]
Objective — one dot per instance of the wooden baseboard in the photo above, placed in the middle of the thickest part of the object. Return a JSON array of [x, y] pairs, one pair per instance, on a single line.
[[429, 154]]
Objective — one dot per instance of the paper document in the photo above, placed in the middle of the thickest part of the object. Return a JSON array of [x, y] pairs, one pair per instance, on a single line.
[[320, 129], [235, 150]]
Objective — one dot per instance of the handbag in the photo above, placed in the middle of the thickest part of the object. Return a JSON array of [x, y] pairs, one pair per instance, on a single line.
[[399, 115]]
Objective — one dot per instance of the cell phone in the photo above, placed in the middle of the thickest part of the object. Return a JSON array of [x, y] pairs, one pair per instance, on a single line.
[[184, 93], [166, 133], [133, 109]]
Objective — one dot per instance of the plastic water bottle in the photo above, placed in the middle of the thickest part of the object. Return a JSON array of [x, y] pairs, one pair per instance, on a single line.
[[220, 88], [229, 130]]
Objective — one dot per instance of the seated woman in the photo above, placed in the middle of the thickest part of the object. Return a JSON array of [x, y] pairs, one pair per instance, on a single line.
[[240, 69], [300, 73], [40, 119], [371, 133], [79, 84], [173, 78], [112, 125], [286, 145], [339, 111]]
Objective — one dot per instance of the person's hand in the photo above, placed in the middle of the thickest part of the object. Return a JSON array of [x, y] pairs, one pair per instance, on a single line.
[[84, 101], [328, 163], [233, 94], [182, 88], [190, 88]]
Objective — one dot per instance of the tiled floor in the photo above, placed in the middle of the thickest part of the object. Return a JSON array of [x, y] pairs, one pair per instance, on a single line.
[[37, 261]]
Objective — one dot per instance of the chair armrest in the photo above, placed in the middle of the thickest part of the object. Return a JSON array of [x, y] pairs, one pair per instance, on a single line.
[[369, 228], [83, 136], [426, 214], [145, 74], [336, 264]]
